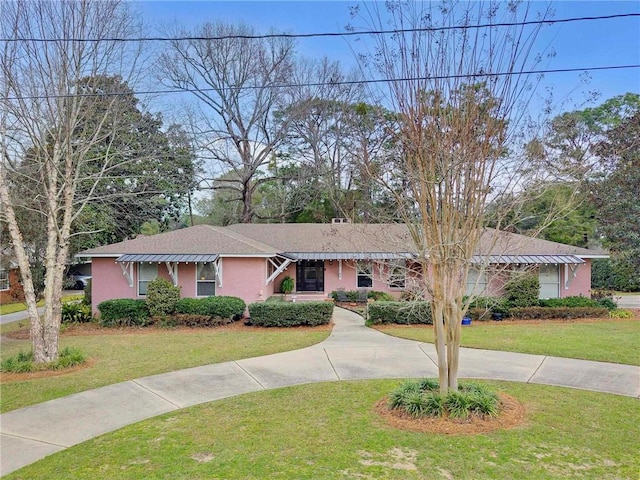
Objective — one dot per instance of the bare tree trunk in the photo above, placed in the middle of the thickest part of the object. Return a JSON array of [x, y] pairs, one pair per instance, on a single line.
[[51, 135], [455, 118]]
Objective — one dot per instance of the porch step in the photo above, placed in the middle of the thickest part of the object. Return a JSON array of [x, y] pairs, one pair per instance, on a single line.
[[308, 297]]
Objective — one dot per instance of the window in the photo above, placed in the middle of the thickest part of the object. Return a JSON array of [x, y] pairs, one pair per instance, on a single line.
[[476, 282], [364, 274], [397, 276], [206, 280], [147, 272], [4, 279], [549, 281]]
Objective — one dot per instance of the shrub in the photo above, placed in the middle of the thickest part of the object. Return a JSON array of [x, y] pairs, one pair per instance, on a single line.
[[569, 302], [614, 274], [545, 313], [353, 296], [522, 290], [221, 306], [600, 293], [380, 296], [621, 313], [193, 320], [405, 313], [22, 362], [75, 312], [482, 308], [422, 398], [162, 297], [284, 314], [608, 303], [123, 312]]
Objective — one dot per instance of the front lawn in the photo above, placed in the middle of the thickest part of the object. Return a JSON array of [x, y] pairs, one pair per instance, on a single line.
[[8, 308], [605, 341], [331, 431], [125, 356]]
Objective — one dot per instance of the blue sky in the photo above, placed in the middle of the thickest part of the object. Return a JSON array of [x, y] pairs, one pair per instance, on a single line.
[[580, 44]]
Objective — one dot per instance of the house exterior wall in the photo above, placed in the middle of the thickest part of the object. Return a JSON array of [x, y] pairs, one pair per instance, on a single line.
[[347, 281], [245, 277], [6, 296], [580, 285], [108, 282]]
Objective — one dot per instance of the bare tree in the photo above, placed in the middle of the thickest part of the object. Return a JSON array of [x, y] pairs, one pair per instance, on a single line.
[[238, 85], [50, 130], [459, 92]]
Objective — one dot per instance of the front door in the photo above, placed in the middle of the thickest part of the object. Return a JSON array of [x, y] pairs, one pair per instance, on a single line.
[[310, 276]]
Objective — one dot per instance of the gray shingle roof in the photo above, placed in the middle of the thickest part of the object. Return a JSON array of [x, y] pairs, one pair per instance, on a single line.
[[327, 241]]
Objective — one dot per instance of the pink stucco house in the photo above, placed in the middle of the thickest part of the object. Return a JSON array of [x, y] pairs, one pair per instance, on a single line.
[[250, 260]]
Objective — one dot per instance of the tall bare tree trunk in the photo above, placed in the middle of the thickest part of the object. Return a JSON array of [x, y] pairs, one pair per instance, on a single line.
[[52, 132]]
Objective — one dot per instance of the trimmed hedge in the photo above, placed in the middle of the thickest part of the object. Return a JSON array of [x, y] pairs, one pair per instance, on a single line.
[[221, 306], [579, 301], [483, 308], [194, 321], [545, 313], [289, 314], [406, 313], [124, 312]]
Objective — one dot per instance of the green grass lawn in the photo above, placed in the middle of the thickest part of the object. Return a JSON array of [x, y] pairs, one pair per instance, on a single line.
[[8, 308], [606, 341], [330, 431], [120, 357]]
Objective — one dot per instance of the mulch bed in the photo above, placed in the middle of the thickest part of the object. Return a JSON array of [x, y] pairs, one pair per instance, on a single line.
[[512, 415], [19, 377]]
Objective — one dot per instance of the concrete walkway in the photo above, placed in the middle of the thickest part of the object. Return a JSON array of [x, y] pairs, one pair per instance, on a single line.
[[352, 352]]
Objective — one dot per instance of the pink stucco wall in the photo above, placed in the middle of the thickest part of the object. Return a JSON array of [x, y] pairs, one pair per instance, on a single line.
[[581, 284], [245, 277], [348, 280]]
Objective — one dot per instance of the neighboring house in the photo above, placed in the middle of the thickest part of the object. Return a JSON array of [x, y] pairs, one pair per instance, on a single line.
[[250, 261], [10, 282]]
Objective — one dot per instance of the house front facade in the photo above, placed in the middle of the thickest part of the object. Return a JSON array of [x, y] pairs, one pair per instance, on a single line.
[[251, 260]]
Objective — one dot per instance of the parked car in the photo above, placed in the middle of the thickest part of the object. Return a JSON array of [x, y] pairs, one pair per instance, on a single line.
[[78, 279]]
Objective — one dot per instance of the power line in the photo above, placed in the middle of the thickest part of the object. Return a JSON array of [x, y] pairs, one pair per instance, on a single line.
[[324, 34], [319, 84]]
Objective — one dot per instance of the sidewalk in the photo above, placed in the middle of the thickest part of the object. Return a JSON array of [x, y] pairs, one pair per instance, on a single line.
[[352, 352]]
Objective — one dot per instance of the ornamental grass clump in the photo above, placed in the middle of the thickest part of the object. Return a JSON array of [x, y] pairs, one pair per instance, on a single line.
[[422, 398], [23, 362]]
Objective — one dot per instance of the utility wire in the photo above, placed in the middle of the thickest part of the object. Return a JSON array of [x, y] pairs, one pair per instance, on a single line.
[[324, 34], [318, 84]]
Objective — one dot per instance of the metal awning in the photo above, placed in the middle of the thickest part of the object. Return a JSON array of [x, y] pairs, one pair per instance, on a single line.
[[528, 259], [349, 255], [167, 257]]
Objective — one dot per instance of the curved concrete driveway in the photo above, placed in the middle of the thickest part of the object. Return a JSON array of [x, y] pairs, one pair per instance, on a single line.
[[352, 352]]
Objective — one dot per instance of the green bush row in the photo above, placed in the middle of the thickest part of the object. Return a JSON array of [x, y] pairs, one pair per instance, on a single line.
[[124, 312], [137, 312], [222, 306], [400, 312], [289, 314], [578, 301], [193, 320], [545, 313]]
